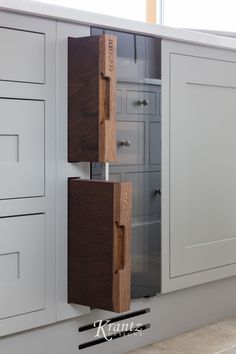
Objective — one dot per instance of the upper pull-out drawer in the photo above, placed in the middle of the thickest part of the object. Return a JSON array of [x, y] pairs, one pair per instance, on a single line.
[[22, 56], [21, 148], [91, 99]]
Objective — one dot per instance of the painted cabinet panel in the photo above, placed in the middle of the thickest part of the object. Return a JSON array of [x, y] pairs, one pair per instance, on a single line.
[[201, 157], [22, 148], [22, 56], [22, 262]]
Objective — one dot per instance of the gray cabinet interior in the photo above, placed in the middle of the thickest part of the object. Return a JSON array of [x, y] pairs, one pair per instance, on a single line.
[[139, 153], [139, 57]]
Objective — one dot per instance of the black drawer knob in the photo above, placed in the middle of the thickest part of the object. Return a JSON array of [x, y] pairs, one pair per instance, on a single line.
[[157, 191]]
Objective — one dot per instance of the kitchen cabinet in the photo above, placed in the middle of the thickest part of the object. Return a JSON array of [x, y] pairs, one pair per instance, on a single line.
[[27, 181], [175, 94]]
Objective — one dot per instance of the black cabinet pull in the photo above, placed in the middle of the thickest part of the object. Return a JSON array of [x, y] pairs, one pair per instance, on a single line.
[[157, 191]]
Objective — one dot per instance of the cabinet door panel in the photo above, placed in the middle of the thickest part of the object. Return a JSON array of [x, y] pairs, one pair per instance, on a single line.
[[202, 172], [22, 56], [22, 148], [22, 278]]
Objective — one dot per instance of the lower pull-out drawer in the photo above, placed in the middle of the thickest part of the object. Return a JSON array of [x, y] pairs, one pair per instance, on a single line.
[[99, 244]]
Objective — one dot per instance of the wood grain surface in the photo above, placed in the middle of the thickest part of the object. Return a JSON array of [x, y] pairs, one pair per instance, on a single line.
[[91, 99], [99, 244]]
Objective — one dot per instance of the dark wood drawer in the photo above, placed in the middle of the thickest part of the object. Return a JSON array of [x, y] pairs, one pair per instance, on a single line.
[[99, 244], [91, 99]]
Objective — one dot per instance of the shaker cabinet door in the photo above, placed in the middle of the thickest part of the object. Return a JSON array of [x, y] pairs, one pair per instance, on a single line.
[[22, 150], [22, 255], [199, 165]]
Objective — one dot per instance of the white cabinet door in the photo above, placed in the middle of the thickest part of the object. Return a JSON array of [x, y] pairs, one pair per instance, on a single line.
[[199, 164], [22, 148], [22, 56], [22, 258]]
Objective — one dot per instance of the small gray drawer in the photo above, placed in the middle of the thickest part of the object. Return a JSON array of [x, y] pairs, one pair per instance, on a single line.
[[130, 143], [141, 102], [146, 198]]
